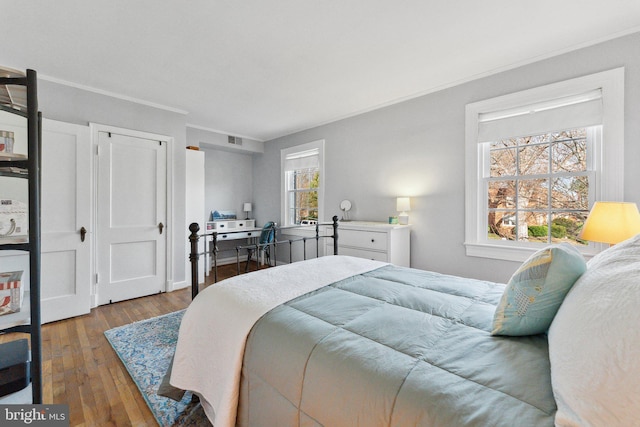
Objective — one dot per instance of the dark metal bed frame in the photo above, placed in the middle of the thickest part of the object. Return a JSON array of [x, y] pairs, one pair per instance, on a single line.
[[194, 255]]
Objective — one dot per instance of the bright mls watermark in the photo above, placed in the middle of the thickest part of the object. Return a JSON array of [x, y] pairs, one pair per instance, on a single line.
[[34, 415]]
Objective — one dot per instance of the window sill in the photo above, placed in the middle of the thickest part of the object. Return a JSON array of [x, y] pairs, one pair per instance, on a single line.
[[302, 231], [513, 253]]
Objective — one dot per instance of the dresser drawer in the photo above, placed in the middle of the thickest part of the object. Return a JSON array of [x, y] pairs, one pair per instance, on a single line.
[[364, 239], [360, 253], [230, 225], [240, 235]]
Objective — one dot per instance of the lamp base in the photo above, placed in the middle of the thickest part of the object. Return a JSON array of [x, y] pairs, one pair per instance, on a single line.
[[403, 219]]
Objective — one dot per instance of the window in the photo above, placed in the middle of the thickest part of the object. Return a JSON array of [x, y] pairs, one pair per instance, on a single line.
[[538, 186], [537, 160], [302, 175]]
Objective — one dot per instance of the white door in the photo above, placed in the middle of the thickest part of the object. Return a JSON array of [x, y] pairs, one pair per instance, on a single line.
[[65, 213], [131, 216]]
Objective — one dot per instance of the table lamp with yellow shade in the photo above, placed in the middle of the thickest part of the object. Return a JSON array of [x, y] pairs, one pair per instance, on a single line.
[[611, 222]]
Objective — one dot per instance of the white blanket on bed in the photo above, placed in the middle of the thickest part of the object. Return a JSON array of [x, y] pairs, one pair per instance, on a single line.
[[210, 348]]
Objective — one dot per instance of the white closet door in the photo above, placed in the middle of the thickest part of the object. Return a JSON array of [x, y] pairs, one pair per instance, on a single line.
[[65, 210], [131, 213]]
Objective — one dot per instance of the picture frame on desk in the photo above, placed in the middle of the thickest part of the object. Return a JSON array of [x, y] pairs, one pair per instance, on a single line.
[[223, 215]]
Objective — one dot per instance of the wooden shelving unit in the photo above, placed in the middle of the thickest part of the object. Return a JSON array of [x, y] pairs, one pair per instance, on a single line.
[[18, 95]]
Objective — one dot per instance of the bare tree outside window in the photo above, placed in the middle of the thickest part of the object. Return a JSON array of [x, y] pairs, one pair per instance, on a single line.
[[538, 187]]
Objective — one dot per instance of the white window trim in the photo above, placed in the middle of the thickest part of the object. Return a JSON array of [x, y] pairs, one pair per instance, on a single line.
[[610, 178], [319, 145]]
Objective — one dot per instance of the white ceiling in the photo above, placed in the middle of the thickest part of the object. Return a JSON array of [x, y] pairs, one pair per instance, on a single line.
[[267, 68]]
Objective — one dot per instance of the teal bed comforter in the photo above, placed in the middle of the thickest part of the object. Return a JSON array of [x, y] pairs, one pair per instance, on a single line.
[[393, 347]]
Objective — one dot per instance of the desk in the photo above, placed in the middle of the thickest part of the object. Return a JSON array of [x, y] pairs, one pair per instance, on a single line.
[[245, 233]]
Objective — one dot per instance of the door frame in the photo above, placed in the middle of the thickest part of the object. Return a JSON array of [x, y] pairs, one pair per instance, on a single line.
[[95, 129]]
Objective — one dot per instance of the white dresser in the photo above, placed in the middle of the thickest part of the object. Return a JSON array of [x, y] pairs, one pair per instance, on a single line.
[[375, 240]]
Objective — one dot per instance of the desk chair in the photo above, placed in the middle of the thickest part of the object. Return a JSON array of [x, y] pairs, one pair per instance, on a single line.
[[267, 235]]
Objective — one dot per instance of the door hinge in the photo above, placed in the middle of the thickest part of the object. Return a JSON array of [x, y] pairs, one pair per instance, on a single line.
[[97, 278]]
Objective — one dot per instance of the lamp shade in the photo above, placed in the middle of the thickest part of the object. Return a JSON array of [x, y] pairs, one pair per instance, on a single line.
[[403, 204], [247, 207], [611, 222]]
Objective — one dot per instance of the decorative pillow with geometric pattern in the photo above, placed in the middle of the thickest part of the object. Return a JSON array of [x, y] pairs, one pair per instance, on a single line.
[[536, 290]]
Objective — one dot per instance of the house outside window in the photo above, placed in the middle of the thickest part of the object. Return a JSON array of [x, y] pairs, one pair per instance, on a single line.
[[537, 160], [302, 179]]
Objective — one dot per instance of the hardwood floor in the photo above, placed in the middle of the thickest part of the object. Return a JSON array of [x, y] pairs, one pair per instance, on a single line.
[[81, 369]]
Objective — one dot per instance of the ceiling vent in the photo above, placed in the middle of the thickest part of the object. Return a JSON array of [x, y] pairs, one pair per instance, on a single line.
[[235, 140]]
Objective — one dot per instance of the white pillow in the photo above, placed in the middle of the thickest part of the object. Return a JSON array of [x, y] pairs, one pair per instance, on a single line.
[[594, 343]]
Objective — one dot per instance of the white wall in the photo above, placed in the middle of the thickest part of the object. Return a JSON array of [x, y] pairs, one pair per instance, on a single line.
[[416, 148]]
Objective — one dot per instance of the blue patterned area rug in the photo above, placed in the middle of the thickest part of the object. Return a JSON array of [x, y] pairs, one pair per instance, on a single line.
[[146, 349]]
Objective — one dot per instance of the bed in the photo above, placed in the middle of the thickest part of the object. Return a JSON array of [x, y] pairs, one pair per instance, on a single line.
[[346, 341]]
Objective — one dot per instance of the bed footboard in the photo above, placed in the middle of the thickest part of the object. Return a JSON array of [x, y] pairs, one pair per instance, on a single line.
[[195, 253]]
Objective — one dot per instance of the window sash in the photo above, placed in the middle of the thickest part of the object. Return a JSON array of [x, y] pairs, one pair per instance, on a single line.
[[517, 178], [296, 208]]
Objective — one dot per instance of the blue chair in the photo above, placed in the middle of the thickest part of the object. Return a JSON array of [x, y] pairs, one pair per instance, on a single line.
[[267, 235]]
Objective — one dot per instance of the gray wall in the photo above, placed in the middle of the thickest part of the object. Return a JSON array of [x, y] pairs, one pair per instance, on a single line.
[[68, 104], [228, 170], [416, 148], [228, 180], [228, 177]]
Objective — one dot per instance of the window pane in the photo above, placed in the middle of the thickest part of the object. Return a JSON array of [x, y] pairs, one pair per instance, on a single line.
[[566, 227], [503, 162], [301, 180], [533, 159], [306, 199], [534, 226], [306, 179], [310, 214], [502, 225], [570, 192], [570, 155], [533, 193], [502, 194]]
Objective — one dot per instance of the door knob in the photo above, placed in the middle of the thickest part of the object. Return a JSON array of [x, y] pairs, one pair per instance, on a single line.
[[83, 233], [161, 227]]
